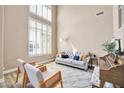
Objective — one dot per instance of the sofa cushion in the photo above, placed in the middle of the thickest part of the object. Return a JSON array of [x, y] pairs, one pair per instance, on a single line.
[[79, 63], [65, 60], [34, 75], [59, 59]]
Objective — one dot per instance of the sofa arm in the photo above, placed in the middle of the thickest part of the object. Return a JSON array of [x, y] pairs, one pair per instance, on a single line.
[[87, 62], [57, 55], [87, 59]]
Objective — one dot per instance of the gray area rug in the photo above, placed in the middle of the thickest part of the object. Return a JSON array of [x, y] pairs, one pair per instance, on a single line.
[[72, 77]]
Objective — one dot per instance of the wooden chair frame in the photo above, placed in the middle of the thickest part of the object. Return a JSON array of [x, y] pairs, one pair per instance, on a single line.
[[43, 82], [25, 77]]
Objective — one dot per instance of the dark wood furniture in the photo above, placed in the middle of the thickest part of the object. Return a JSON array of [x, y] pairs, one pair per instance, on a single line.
[[93, 60], [112, 70]]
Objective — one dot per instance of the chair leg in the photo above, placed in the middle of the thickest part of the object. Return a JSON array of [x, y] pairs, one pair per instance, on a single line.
[[61, 79], [61, 84], [102, 83], [17, 75], [23, 81], [95, 86], [26, 80], [114, 85]]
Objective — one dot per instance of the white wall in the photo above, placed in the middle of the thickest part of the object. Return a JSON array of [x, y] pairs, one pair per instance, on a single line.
[[16, 37], [0, 42], [115, 19], [118, 32], [83, 28]]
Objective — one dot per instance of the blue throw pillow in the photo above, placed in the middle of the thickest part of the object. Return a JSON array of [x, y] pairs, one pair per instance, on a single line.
[[76, 58]]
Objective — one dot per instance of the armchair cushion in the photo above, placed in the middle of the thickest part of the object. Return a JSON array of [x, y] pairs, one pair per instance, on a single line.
[[34, 75]]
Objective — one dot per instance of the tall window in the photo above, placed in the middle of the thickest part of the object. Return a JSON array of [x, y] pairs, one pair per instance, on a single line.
[[39, 30]]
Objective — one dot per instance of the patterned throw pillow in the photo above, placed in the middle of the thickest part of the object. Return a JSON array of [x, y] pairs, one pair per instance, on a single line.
[[84, 56], [81, 57]]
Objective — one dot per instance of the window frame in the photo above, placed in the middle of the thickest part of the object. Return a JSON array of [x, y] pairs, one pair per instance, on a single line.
[[43, 21]]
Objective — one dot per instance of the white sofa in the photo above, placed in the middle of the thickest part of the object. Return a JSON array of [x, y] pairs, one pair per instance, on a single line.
[[73, 63]]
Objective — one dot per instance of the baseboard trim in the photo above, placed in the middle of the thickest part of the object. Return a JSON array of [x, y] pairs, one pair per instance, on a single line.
[[47, 61], [1, 80], [9, 71], [15, 69]]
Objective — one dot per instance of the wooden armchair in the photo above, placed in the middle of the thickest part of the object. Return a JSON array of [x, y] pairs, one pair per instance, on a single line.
[[114, 75], [21, 70], [40, 79], [111, 70]]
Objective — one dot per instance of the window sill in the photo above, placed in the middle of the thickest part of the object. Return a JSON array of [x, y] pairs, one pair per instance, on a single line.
[[39, 55]]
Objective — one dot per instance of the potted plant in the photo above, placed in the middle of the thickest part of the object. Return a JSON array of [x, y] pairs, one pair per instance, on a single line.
[[109, 46]]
